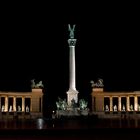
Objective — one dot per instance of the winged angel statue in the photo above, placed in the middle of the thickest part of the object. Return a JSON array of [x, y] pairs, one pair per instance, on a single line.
[[71, 29]]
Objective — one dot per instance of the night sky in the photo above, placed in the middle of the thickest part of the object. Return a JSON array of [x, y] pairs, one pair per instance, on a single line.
[[34, 45]]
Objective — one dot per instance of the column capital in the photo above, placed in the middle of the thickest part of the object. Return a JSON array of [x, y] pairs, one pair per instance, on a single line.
[[72, 42]]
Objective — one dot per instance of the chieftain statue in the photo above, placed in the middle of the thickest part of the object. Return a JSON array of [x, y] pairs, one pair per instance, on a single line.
[[36, 85], [99, 83]]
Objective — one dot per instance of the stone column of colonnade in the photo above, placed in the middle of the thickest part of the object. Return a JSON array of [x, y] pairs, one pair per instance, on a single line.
[[23, 104], [111, 104], [6, 103], [136, 103], [128, 103], [14, 103], [119, 106]]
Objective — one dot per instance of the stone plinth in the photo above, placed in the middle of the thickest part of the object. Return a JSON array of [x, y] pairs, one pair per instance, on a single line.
[[72, 94], [97, 89], [70, 112], [36, 90]]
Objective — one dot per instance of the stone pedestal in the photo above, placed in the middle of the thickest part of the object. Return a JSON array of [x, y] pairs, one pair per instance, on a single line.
[[72, 94], [85, 112]]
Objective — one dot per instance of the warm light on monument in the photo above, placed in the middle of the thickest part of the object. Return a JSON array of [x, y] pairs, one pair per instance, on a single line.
[[22, 104]]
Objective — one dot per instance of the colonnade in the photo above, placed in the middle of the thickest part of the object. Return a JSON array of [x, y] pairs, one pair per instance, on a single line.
[[5, 107], [121, 107]]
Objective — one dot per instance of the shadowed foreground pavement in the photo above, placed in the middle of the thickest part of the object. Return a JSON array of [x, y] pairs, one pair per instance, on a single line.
[[71, 129], [69, 134]]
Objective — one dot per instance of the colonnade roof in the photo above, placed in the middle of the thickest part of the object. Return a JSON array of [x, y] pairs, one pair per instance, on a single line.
[[121, 92], [13, 92]]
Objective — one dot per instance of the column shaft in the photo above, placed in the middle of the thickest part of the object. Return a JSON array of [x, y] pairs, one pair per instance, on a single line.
[[23, 104], [119, 104], [72, 92], [14, 103], [72, 67], [136, 103], [128, 103], [6, 103], [111, 104]]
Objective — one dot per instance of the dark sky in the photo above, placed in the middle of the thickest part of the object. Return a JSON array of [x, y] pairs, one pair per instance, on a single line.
[[34, 45]]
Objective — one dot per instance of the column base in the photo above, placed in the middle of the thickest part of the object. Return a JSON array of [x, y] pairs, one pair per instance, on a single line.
[[72, 94]]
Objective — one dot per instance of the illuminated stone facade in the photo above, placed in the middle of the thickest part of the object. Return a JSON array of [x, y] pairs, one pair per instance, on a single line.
[[115, 102], [21, 104]]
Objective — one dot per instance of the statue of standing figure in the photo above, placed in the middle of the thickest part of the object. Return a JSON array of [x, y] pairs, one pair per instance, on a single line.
[[83, 104], [10, 109], [123, 108], [71, 31], [61, 104], [19, 108], [3, 108], [115, 107], [106, 108], [131, 107], [27, 109]]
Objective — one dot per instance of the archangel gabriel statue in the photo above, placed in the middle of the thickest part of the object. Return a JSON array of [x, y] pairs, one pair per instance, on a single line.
[[71, 29]]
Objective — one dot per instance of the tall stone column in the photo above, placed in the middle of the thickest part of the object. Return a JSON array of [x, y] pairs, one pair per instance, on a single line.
[[72, 93]]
